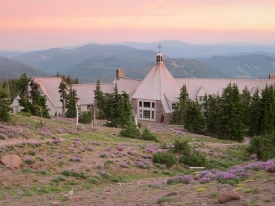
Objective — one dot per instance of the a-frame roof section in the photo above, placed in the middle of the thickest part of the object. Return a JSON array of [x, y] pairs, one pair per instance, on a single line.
[[49, 87], [202, 92], [158, 84]]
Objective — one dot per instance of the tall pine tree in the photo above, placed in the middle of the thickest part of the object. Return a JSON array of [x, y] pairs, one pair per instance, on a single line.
[[193, 120], [4, 105], [267, 119], [99, 100], [63, 94], [230, 122], [255, 113], [246, 103], [70, 103]]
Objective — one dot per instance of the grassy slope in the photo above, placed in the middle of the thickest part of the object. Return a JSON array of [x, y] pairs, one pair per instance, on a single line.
[[93, 174]]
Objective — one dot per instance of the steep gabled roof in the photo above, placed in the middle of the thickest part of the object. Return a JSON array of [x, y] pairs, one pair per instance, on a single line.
[[49, 87], [127, 84], [216, 86], [85, 92], [158, 84]]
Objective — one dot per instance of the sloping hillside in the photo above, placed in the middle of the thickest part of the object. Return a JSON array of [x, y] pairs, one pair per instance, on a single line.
[[13, 69], [245, 66], [105, 68], [61, 60]]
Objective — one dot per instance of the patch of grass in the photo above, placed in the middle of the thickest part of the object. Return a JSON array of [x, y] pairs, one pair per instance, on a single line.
[[270, 199], [165, 199], [215, 194]]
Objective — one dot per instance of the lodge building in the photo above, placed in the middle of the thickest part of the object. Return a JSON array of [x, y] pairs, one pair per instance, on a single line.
[[152, 98]]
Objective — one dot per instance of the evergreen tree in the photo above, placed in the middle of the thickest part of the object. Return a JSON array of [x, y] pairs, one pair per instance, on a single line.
[[255, 114], [22, 85], [38, 106], [193, 120], [212, 110], [179, 111], [267, 119], [99, 100], [175, 116], [63, 94], [70, 103], [229, 123], [4, 105], [246, 103], [119, 109]]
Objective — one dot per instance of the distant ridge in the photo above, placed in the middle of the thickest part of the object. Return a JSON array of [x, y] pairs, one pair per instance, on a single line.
[[13, 69], [245, 66]]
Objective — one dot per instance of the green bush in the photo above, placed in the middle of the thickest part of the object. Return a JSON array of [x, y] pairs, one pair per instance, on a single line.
[[130, 131], [166, 158], [262, 146], [182, 146], [86, 117], [148, 135], [195, 159]]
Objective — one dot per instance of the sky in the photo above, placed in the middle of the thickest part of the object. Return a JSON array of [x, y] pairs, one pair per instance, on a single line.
[[42, 24]]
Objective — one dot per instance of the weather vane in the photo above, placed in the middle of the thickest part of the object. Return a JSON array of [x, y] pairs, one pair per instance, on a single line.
[[159, 46]]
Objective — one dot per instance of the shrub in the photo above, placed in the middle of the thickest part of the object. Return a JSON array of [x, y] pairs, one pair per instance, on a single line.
[[139, 125], [148, 135], [262, 146], [86, 117], [195, 159], [166, 158], [130, 131], [182, 146]]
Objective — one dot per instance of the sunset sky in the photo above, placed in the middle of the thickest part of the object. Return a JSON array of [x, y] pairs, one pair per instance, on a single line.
[[42, 24]]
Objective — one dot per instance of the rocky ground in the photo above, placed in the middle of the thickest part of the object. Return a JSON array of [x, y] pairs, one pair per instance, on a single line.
[[65, 164]]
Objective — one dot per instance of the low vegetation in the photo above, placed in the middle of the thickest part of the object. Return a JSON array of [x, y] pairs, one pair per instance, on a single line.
[[60, 157]]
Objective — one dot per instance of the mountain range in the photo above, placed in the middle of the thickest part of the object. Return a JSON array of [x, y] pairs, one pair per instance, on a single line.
[[13, 69], [92, 61]]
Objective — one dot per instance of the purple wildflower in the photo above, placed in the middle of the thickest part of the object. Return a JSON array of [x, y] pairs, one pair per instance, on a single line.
[[120, 148], [95, 143], [123, 164], [204, 180]]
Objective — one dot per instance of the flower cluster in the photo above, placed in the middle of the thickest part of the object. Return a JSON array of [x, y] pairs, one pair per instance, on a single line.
[[123, 164], [120, 148], [185, 179], [95, 143], [132, 152]]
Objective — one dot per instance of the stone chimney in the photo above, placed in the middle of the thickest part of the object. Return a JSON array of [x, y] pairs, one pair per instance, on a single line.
[[120, 73], [271, 76]]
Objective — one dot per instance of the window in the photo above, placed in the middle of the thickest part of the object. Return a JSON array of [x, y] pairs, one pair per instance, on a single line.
[[173, 106], [146, 110], [200, 98], [146, 104], [89, 107], [146, 114]]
